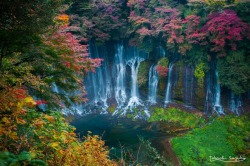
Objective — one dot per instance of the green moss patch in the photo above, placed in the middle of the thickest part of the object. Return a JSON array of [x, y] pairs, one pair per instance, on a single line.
[[223, 137], [177, 116], [163, 62], [111, 109], [143, 72]]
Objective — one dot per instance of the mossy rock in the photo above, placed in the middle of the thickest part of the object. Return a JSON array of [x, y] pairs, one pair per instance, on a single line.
[[163, 62], [200, 97], [178, 88], [162, 87], [162, 80], [143, 72], [111, 109], [177, 117]]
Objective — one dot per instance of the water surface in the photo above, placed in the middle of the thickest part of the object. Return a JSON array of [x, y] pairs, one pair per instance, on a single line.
[[120, 133]]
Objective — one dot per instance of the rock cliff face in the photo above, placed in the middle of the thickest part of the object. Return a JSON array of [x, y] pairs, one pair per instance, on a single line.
[[128, 81]]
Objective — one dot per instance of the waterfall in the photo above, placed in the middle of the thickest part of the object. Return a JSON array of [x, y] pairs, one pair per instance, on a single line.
[[75, 108], [94, 89], [120, 87], [114, 85], [134, 97], [161, 51], [99, 81], [104, 81], [188, 85], [131, 58], [217, 96], [169, 84], [55, 88], [235, 104], [152, 84], [101, 90], [108, 81]]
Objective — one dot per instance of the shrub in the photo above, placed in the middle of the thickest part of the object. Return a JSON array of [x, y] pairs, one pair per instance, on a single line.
[[143, 74], [46, 138], [24, 158]]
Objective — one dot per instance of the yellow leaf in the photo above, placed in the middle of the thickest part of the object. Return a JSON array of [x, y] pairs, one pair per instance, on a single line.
[[20, 121], [32, 154], [5, 120], [13, 135], [50, 118], [19, 105], [54, 144], [29, 101]]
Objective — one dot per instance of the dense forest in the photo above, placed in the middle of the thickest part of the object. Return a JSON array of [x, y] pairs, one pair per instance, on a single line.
[[177, 67]]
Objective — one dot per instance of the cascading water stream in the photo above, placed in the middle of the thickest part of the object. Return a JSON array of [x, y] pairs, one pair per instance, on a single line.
[[114, 85], [55, 88], [169, 85], [188, 85], [76, 108], [94, 89], [120, 67], [161, 51], [134, 96], [152, 84], [217, 103], [235, 104], [131, 58], [101, 82], [108, 81]]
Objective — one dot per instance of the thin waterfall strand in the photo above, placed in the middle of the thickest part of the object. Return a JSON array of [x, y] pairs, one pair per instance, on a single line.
[[152, 84], [169, 84], [217, 103]]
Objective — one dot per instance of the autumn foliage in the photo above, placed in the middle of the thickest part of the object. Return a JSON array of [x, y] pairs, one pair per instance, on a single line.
[[28, 70], [62, 19], [40, 48], [225, 29], [162, 70], [48, 137]]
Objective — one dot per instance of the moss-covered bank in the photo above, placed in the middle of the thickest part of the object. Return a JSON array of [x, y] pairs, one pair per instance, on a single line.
[[224, 137]]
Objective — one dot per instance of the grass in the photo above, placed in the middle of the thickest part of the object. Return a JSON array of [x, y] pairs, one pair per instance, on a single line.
[[224, 136], [227, 136]]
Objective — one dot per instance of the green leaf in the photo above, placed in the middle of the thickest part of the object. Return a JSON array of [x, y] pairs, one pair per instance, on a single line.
[[5, 155], [14, 163], [3, 163], [24, 156], [37, 162]]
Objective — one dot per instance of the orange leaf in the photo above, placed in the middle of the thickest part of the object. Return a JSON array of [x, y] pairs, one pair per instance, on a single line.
[[50, 118], [20, 121]]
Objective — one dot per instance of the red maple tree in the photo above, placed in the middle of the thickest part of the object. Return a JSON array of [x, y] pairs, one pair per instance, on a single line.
[[224, 30]]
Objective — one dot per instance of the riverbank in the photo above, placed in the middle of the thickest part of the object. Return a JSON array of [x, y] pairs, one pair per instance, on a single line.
[[170, 152]]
